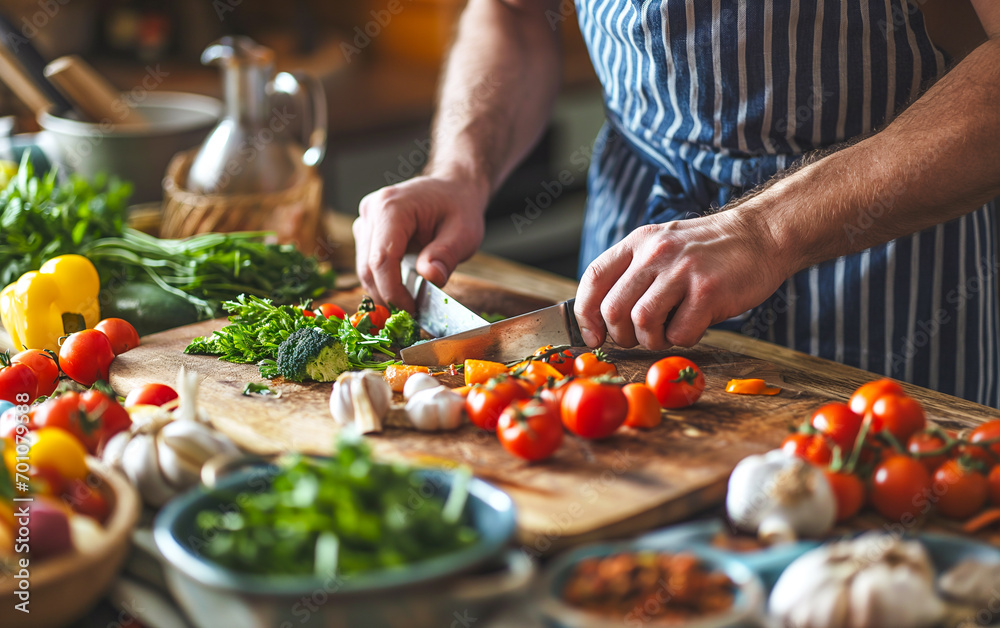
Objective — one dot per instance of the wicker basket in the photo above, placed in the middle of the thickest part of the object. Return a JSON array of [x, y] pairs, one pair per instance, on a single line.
[[293, 214]]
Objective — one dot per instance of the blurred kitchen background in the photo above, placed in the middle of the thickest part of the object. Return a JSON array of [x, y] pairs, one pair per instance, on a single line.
[[380, 71]]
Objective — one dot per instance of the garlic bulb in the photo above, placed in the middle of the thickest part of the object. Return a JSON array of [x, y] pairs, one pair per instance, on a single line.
[[435, 409], [362, 398], [873, 581], [162, 453], [417, 382], [779, 497]]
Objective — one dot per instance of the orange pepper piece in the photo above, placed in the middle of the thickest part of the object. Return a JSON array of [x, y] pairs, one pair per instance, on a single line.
[[482, 371], [397, 374], [753, 386]]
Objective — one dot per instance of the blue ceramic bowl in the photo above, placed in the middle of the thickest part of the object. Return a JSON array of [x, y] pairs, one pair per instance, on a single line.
[[748, 604], [214, 595]]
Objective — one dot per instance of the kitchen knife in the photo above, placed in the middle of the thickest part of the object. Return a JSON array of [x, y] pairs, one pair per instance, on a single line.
[[505, 341], [437, 313]]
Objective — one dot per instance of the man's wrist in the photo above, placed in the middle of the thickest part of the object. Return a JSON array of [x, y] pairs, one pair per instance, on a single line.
[[464, 173]]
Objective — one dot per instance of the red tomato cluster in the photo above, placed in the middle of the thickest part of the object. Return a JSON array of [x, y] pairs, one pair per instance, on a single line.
[[530, 404], [84, 356], [879, 449]]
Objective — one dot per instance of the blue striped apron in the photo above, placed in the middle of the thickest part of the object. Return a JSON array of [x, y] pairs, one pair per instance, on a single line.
[[707, 98]]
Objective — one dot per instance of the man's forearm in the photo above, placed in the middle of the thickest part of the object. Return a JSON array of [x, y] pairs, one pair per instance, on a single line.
[[499, 84], [938, 160]]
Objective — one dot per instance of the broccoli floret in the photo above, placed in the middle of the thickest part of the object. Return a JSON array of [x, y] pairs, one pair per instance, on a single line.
[[310, 353], [400, 329]]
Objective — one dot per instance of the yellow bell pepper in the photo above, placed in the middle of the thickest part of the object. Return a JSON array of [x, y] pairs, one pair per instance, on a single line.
[[55, 300]]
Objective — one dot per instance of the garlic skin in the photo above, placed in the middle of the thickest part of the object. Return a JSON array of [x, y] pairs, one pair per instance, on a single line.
[[417, 382], [162, 453], [780, 497], [360, 397], [971, 582], [435, 409], [873, 581]]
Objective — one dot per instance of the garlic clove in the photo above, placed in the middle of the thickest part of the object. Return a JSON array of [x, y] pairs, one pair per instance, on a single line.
[[140, 463], [418, 382]]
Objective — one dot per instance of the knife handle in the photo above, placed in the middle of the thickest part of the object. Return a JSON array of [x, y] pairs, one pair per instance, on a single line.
[[573, 327]]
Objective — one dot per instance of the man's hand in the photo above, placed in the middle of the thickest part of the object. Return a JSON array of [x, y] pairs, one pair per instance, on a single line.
[[441, 217], [696, 273]]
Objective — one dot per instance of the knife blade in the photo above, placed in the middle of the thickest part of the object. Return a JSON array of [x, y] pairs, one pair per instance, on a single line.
[[504, 341], [437, 313]]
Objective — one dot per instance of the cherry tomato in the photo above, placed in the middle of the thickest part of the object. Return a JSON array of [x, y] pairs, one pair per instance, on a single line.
[[45, 368], [86, 500], [593, 365], [900, 416], [46, 481], [900, 488], [643, 406], [150, 395], [677, 382], [814, 448], [864, 397], [839, 423], [86, 356], [926, 442], [988, 431], [120, 332], [486, 402], [962, 490], [994, 480], [331, 311], [92, 417], [593, 409], [376, 314], [18, 383], [562, 361], [529, 429], [553, 391], [308, 313], [9, 424], [57, 449], [110, 415], [848, 491]]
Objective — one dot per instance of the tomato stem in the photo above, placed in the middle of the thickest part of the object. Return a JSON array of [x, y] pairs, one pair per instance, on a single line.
[[5, 359], [686, 375]]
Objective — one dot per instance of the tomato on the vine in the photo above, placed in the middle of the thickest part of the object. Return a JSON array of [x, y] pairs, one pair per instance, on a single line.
[[86, 356], [864, 397], [849, 493], [963, 492], [331, 311], [18, 383], [900, 416], [486, 402], [677, 382], [45, 368], [814, 448], [593, 364], [91, 417], [923, 443], [985, 433], [643, 406], [593, 408], [839, 423], [562, 361], [529, 429], [900, 487], [150, 395], [120, 333]]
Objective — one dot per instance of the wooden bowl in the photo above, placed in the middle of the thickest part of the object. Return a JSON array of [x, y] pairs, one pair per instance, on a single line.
[[65, 587]]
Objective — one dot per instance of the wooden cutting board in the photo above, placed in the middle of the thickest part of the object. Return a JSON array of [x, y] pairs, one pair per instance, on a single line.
[[631, 482]]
